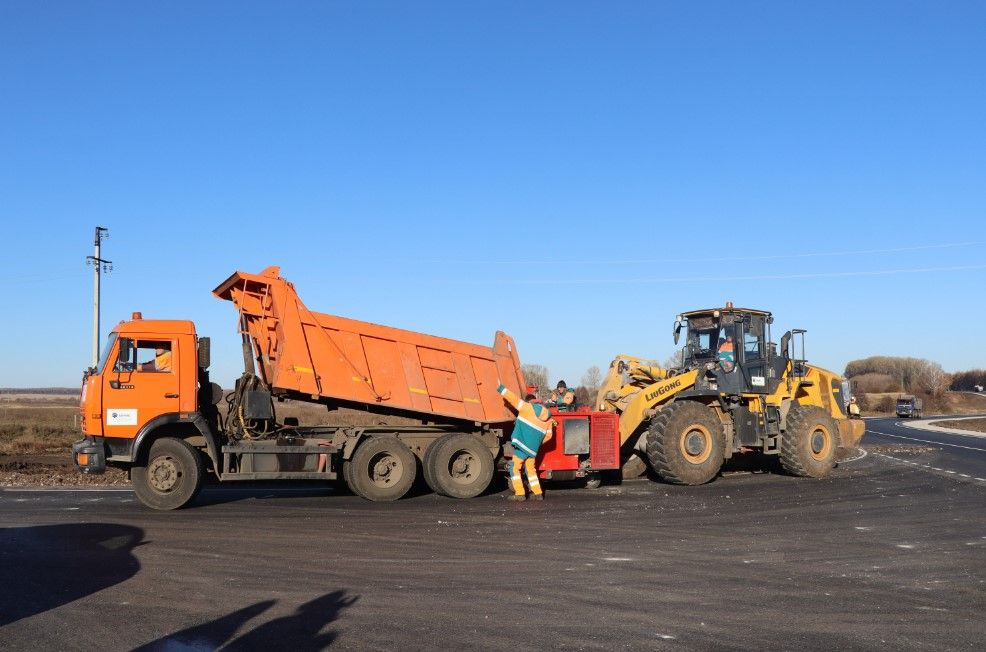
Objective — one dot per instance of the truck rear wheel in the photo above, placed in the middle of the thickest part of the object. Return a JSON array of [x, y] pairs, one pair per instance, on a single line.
[[458, 466], [685, 443], [381, 469], [171, 476], [809, 442]]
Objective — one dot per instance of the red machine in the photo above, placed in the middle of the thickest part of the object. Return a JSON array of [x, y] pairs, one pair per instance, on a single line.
[[584, 444]]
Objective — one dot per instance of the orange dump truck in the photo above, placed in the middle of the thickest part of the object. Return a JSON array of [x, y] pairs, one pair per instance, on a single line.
[[150, 407]]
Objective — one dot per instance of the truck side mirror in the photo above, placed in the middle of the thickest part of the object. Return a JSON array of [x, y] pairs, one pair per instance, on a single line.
[[124, 353], [677, 331]]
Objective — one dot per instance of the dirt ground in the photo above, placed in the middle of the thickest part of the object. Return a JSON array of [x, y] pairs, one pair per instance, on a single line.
[[975, 425]]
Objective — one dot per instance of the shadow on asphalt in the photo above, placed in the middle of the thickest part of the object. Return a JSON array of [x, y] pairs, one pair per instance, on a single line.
[[46, 566], [299, 631]]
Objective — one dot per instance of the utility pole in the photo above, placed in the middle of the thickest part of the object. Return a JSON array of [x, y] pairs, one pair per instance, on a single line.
[[98, 267]]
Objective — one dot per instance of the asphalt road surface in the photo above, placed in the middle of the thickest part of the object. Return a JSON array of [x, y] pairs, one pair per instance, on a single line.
[[888, 553]]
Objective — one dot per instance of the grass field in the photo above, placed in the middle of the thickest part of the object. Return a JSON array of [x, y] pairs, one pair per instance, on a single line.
[[975, 425]]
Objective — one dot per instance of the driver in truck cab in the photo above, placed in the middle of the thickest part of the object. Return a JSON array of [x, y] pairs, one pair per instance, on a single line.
[[532, 428], [161, 361]]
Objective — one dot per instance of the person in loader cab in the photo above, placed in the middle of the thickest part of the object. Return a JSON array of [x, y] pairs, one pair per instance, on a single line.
[[161, 361], [727, 353], [532, 428], [562, 398]]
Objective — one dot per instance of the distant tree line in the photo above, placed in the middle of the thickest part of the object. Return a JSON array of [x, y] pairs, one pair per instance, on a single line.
[[967, 381], [39, 390], [913, 375]]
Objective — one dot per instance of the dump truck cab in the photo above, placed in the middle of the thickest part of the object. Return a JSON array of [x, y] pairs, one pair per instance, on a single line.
[[147, 383]]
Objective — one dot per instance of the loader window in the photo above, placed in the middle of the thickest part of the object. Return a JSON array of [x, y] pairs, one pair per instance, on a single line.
[[753, 339], [702, 343]]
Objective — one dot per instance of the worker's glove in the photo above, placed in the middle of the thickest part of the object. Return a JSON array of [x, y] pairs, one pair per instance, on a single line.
[[500, 388]]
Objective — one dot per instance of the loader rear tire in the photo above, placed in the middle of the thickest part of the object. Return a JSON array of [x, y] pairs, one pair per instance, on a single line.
[[685, 443], [458, 466], [809, 442], [170, 477], [381, 469]]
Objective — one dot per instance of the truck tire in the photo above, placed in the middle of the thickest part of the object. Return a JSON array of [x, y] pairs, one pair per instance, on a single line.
[[170, 477], [685, 443], [381, 469], [809, 442], [458, 466]]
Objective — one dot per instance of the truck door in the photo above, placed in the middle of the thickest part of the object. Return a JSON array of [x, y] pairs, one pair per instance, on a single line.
[[142, 385]]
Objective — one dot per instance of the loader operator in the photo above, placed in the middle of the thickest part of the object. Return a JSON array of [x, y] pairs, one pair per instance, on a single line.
[[562, 398], [727, 354], [532, 428]]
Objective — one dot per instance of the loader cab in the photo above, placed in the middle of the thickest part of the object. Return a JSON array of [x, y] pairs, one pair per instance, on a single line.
[[733, 346]]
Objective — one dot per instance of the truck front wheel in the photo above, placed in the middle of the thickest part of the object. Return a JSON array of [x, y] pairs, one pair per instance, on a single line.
[[171, 476], [381, 469], [685, 443]]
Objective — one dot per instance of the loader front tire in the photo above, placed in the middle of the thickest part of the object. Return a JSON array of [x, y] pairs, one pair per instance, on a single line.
[[458, 466], [809, 442], [381, 469], [170, 477], [685, 443]]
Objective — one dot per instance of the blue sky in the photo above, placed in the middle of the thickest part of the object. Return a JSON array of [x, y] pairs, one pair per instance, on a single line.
[[573, 173]]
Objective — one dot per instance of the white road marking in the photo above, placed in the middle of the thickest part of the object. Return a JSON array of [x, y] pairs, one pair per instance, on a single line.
[[927, 466], [862, 454], [927, 441], [617, 559]]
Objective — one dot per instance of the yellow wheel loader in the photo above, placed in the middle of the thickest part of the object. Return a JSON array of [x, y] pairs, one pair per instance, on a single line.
[[730, 391]]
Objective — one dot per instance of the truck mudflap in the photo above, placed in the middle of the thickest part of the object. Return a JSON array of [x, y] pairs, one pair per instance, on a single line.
[[89, 455]]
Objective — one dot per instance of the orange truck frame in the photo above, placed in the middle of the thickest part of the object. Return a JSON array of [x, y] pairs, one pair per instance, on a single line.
[[150, 407]]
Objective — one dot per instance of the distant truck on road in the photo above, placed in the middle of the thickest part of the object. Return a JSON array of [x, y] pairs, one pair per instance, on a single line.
[[909, 406]]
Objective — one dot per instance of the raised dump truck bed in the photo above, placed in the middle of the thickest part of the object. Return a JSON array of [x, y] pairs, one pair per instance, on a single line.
[[347, 362]]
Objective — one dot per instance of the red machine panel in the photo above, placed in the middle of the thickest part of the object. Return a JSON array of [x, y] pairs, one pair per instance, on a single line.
[[584, 441]]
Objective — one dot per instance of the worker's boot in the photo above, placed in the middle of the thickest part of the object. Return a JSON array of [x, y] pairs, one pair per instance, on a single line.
[[516, 497], [537, 496]]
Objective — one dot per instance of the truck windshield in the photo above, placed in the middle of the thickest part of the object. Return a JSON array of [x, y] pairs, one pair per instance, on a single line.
[[110, 341]]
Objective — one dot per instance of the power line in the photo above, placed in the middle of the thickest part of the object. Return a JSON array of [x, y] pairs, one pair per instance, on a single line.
[[719, 279], [660, 261]]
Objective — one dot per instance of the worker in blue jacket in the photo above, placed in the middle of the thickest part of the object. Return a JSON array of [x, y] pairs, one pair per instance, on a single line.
[[532, 428]]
